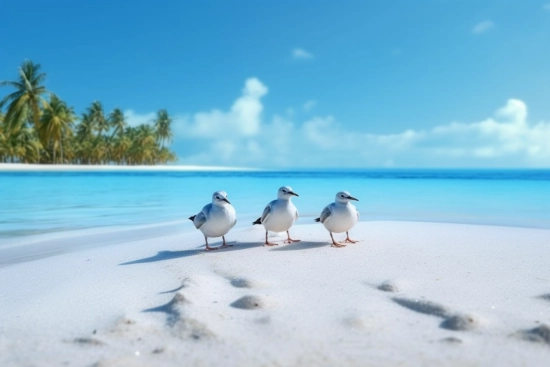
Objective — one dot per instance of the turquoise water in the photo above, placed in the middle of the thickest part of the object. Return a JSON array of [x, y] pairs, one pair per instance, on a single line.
[[37, 203]]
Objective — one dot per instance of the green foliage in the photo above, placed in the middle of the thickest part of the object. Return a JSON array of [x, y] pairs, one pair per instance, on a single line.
[[39, 130]]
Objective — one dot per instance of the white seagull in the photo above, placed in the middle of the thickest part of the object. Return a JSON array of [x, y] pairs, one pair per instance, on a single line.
[[340, 216], [279, 215], [216, 219]]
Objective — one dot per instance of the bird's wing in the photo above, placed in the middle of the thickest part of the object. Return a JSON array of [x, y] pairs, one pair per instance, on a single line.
[[266, 212], [325, 214], [200, 219], [296, 215]]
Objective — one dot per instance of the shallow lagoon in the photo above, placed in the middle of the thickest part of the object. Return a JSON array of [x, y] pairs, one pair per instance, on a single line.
[[45, 202]]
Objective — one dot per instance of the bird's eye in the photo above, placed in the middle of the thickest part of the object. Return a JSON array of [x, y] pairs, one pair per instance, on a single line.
[[217, 197], [342, 196], [284, 191]]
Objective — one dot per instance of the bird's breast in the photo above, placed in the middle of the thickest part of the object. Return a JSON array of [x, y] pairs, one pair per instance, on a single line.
[[341, 219], [219, 221], [281, 218]]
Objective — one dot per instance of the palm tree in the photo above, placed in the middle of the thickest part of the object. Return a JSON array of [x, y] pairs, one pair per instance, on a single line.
[[121, 145], [22, 146], [98, 152], [56, 123], [84, 130], [117, 122], [147, 142], [164, 155], [83, 151], [34, 130], [163, 132], [69, 148], [25, 102], [2, 139], [95, 112]]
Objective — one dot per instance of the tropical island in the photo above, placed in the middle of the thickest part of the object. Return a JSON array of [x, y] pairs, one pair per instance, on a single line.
[[37, 126]]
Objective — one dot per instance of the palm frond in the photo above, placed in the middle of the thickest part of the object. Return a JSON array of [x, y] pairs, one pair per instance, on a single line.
[[16, 85]]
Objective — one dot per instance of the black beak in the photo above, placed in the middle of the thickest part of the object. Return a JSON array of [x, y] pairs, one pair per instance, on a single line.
[[352, 198], [227, 201], [293, 193]]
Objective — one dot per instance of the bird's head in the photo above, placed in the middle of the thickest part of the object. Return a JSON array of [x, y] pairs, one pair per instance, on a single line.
[[344, 197], [285, 192], [220, 198]]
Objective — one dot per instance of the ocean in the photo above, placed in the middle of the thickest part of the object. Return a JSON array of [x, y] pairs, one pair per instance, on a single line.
[[34, 204]]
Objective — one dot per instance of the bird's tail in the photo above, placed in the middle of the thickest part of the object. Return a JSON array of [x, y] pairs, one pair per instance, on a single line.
[[192, 219], [257, 221], [317, 219]]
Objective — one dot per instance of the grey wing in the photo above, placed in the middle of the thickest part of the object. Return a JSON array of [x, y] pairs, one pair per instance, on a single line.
[[200, 219], [325, 214], [266, 212], [296, 216]]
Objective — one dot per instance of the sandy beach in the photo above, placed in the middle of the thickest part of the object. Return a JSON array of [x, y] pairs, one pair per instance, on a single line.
[[408, 294]]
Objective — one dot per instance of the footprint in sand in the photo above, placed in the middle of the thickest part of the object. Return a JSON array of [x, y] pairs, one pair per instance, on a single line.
[[451, 320], [249, 303], [88, 341], [242, 283], [459, 322], [172, 308], [545, 297], [425, 307], [451, 340], [180, 324], [392, 286], [540, 334]]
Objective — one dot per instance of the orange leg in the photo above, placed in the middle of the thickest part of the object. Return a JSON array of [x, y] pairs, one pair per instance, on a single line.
[[208, 248], [334, 243], [267, 243], [290, 240], [349, 239], [225, 244]]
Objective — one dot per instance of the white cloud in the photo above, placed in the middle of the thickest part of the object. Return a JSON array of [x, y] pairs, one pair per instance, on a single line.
[[135, 119], [241, 137], [546, 6], [322, 131], [309, 105], [300, 53], [243, 118], [483, 27]]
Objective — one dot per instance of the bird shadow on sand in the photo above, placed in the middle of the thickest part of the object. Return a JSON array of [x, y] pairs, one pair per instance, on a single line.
[[303, 245], [169, 255]]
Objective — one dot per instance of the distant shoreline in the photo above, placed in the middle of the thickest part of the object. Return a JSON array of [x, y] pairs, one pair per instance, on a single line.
[[25, 167], [34, 167]]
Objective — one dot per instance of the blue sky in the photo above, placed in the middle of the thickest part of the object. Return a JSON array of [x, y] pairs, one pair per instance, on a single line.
[[433, 83]]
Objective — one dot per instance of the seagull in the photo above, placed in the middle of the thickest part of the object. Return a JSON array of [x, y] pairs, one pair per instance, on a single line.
[[216, 219], [279, 215], [340, 216]]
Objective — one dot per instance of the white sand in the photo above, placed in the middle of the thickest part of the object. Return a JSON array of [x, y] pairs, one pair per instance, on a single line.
[[25, 167], [172, 304]]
